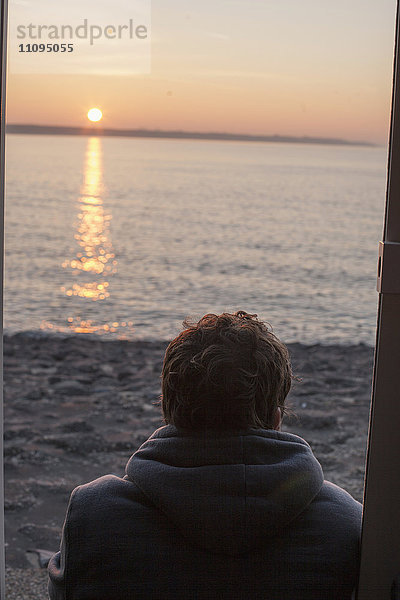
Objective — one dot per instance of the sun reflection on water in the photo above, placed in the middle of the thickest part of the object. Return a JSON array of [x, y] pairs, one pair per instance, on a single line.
[[94, 262], [95, 253]]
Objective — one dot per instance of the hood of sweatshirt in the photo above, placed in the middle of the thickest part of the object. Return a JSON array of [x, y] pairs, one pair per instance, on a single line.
[[227, 492]]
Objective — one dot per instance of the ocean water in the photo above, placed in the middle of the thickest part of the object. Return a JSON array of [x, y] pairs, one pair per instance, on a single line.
[[124, 237]]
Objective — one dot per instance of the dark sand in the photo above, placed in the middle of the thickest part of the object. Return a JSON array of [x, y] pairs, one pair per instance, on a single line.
[[76, 409]]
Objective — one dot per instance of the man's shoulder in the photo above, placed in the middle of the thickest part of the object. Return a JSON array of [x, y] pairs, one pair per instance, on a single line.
[[338, 510], [104, 493], [339, 499], [99, 485]]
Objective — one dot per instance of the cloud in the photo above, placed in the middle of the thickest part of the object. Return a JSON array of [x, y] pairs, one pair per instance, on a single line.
[[217, 36]]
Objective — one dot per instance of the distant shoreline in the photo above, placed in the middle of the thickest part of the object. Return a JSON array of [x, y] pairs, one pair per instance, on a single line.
[[27, 129]]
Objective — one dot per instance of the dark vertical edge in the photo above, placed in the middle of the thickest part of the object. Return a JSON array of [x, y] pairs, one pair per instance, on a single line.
[[3, 71], [387, 216], [387, 344], [391, 231]]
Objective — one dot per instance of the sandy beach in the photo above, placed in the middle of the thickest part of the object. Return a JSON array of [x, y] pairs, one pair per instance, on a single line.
[[77, 408]]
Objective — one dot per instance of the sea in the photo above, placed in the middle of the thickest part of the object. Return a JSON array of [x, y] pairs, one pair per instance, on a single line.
[[126, 237]]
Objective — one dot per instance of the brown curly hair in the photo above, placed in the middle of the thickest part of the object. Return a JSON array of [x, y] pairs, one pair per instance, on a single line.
[[226, 371]]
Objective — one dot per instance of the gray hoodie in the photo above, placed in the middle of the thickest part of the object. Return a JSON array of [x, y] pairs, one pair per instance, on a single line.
[[211, 515]]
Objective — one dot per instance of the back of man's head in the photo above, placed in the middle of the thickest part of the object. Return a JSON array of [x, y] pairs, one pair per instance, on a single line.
[[226, 371]]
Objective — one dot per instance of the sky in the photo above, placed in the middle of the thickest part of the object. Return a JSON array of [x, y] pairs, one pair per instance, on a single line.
[[315, 67]]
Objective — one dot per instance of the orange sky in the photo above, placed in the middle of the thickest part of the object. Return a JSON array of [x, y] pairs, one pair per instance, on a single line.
[[309, 68]]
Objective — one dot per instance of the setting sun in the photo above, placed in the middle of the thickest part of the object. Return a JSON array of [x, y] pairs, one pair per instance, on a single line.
[[94, 114]]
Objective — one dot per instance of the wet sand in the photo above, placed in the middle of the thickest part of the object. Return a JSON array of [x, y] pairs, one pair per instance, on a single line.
[[76, 408]]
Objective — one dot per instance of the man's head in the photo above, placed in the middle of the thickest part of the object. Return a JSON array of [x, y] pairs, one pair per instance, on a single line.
[[227, 371]]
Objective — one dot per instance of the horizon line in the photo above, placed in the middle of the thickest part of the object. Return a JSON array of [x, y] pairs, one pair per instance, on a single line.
[[31, 129]]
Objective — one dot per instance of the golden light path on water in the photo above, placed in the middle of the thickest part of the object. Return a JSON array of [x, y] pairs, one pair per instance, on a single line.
[[94, 262], [95, 253]]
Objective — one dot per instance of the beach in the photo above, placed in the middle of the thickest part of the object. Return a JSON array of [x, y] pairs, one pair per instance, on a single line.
[[77, 407]]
